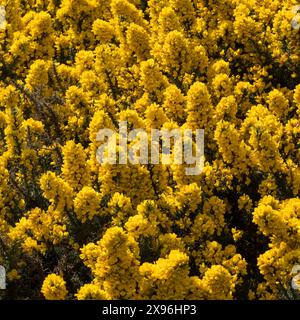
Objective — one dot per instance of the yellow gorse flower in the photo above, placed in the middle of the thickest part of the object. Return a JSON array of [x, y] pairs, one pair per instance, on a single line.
[[73, 67], [54, 288]]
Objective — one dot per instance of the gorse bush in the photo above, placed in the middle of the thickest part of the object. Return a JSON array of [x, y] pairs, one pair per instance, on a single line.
[[71, 228]]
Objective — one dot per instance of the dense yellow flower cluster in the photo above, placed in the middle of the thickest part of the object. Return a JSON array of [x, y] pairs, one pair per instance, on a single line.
[[54, 288], [72, 228]]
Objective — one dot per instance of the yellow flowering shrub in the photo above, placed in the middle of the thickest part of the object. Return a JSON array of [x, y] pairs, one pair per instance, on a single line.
[[72, 228]]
